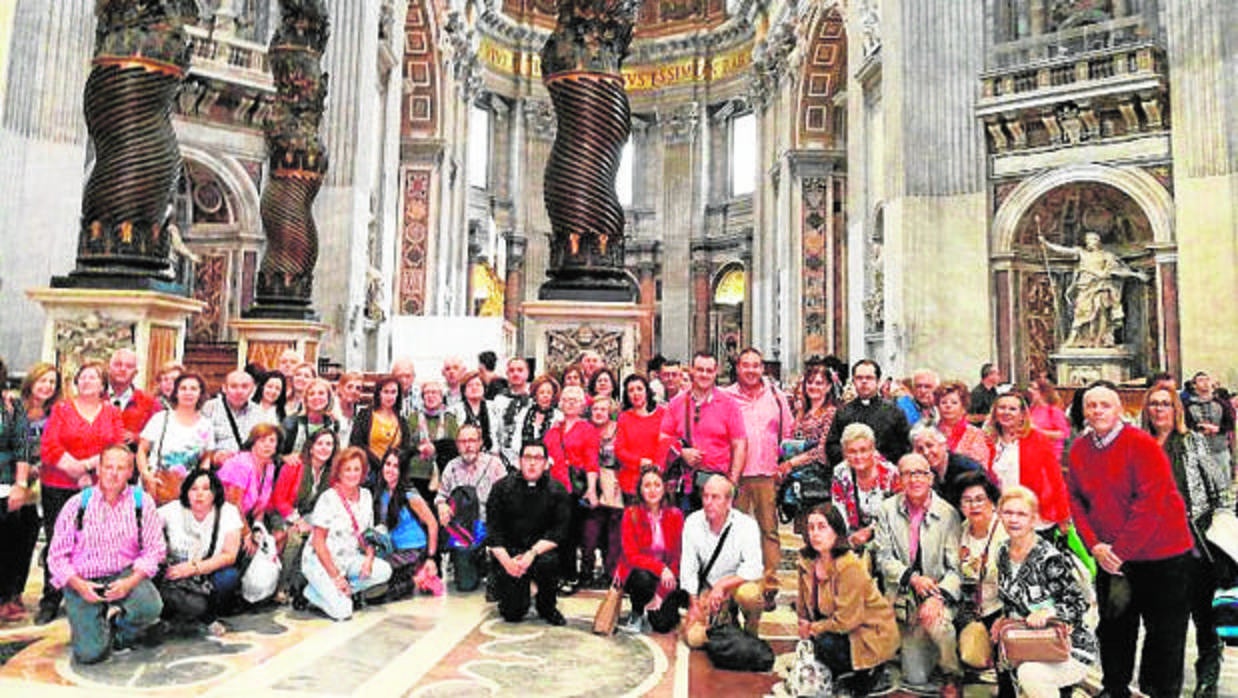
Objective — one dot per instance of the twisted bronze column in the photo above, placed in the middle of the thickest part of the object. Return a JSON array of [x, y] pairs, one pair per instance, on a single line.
[[580, 65], [141, 55], [298, 161]]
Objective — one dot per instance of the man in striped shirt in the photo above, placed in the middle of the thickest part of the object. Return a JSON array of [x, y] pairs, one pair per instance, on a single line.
[[105, 559]]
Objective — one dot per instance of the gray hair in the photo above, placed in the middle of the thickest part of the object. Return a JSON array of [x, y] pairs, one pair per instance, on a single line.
[[922, 431], [857, 431]]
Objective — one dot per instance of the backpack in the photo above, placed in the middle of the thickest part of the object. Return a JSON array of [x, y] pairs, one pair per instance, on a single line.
[[802, 489], [88, 492], [465, 529]]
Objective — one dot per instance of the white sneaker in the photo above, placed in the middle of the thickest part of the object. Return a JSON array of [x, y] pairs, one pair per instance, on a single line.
[[634, 624]]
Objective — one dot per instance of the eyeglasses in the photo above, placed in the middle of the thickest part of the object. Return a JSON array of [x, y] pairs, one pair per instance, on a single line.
[[918, 473], [534, 459], [973, 501], [1160, 403]]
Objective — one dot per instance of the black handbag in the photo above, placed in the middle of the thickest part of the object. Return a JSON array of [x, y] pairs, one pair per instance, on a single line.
[[732, 649]]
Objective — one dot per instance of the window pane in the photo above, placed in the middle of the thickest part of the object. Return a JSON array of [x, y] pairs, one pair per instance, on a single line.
[[623, 180], [479, 147], [743, 154]]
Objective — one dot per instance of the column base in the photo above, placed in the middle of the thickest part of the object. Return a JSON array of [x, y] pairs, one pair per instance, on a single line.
[[119, 282], [590, 286], [91, 323], [262, 340], [564, 329]]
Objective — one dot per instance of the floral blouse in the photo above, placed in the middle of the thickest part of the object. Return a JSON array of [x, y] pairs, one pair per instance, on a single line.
[[1046, 579], [815, 426], [859, 509]]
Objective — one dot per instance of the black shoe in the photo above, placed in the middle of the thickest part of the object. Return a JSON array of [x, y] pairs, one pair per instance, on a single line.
[[46, 615], [771, 600], [567, 588], [554, 617]]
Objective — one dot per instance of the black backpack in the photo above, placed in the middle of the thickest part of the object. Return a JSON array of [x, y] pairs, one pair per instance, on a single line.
[[802, 489]]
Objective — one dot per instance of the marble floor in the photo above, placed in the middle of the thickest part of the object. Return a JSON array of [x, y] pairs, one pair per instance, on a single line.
[[428, 647]]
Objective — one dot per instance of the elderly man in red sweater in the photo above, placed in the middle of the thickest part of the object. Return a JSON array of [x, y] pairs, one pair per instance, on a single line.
[[1129, 512]]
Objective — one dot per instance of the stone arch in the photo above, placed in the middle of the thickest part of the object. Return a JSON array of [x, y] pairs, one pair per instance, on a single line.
[[824, 76], [1144, 189], [728, 292], [236, 181]]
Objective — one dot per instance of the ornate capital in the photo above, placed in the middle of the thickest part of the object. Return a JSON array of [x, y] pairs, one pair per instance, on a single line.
[[589, 36], [771, 60], [870, 26], [680, 125], [540, 119]]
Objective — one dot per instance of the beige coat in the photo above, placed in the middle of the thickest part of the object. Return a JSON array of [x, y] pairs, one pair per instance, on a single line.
[[848, 602]]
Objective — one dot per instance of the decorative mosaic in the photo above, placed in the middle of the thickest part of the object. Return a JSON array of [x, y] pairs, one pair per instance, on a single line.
[[413, 241], [1039, 319], [420, 73], [565, 345], [825, 73], [814, 248]]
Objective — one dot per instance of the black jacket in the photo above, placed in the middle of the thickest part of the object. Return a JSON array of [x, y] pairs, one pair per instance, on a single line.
[[888, 423], [518, 514]]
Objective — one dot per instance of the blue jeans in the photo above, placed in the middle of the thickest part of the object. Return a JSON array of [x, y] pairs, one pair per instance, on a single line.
[[90, 630]]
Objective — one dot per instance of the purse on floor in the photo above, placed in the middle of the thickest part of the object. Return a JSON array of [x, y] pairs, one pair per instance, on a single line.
[[607, 615]]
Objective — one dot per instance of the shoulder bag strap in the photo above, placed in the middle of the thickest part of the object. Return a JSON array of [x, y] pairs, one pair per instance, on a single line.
[[687, 419], [167, 416], [236, 432], [704, 573]]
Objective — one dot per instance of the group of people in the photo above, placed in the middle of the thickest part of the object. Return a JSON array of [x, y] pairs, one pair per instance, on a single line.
[[950, 508]]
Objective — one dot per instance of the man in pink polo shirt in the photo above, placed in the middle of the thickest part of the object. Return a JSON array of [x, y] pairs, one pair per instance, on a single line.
[[767, 421], [705, 424]]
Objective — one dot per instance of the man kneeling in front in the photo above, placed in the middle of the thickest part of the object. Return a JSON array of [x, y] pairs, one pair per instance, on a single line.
[[721, 566], [528, 514], [107, 546]]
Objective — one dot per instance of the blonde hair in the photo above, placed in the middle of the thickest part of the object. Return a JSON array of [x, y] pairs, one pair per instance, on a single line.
[[857, 431], [1022, 494]]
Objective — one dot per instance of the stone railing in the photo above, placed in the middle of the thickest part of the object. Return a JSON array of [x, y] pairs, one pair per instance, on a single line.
[[1090, 72], [228, 58], [1086, 38]]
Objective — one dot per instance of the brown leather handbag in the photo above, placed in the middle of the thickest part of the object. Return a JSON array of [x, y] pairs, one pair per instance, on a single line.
[[1020, 643], [608, 611]]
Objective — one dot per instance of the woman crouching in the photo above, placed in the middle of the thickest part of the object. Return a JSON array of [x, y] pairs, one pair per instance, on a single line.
[[204, 535], [851, 624], [1037, 584], [339, 563]]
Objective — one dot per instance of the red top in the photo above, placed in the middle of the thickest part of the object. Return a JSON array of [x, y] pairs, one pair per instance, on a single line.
[[1040, 471], [578, 448], [1124, 495], [68, 432], [638, 437], [637, 534], [137, 413], [287, 485], [716, 422]]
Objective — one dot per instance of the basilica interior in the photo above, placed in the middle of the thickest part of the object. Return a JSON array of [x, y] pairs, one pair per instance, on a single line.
[[848, 177]]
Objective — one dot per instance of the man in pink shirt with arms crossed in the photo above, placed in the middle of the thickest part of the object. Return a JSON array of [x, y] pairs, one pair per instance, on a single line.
[[705, 424]]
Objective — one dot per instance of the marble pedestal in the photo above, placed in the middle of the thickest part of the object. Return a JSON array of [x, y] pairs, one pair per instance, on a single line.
[[1079, 366], [92, 323], [261, 341], [562, 330]]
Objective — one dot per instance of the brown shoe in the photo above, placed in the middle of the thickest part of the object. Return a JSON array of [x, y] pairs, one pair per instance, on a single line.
[[771, 600]]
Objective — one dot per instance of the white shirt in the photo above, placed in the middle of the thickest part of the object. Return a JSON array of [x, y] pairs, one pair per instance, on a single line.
[[740, 554], [188, 538]]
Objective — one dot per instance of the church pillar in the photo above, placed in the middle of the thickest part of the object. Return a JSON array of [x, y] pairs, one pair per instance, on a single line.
[[1203, 70], [1036, 23], [701, 297], [532, 144], [49, 50], [513, 294], [679, 213], [815, 238]]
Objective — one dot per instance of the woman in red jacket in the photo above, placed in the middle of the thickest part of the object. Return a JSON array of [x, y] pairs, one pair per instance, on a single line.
[[572, 445], [638, 441], [1022, 455], [77, 431], [649, 568]]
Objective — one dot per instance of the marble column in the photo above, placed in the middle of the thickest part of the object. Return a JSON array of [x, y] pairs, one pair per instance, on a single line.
[[701, 297], [1203, 69], [513, 294], [680, 211]]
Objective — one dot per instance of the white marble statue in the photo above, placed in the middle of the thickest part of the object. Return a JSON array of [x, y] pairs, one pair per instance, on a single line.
[[1097, 291]]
